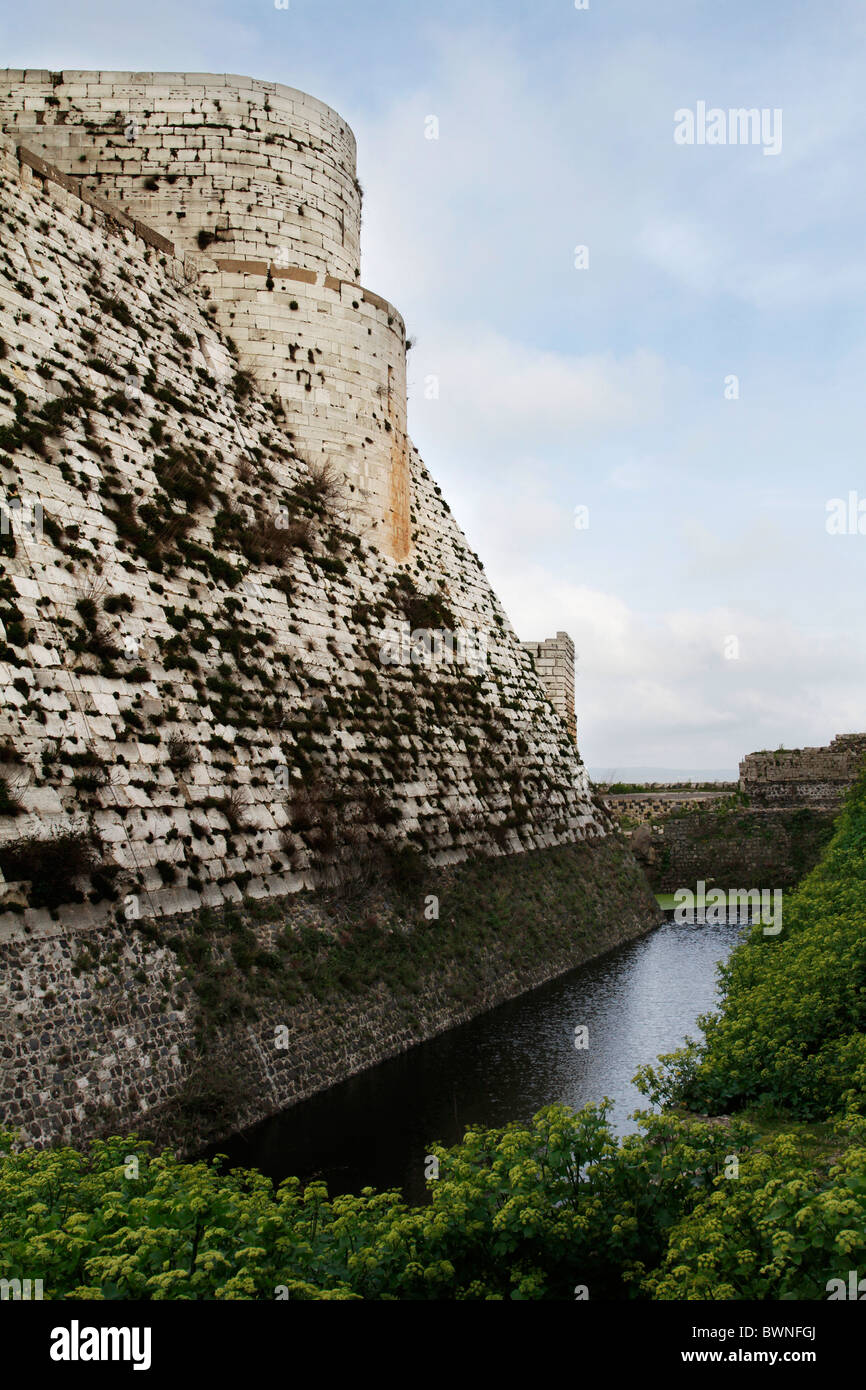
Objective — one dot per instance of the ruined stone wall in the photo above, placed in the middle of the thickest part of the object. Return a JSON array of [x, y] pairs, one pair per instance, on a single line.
[[554, 662], [803, 776], [257, 182], [769, 835], [634, 808]]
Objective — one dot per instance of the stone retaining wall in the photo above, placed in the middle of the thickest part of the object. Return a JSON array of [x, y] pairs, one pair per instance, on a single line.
[[101, 1032], [734, 849]]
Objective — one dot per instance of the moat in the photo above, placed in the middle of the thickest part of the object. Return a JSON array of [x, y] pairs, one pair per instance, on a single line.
[[375, 1129]]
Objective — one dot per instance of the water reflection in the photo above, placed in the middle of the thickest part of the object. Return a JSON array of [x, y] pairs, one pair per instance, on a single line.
[[375, 1129]]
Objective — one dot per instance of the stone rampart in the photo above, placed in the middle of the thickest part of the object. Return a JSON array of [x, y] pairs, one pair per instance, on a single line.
[[176, 670], [196, 713], [257, 182]]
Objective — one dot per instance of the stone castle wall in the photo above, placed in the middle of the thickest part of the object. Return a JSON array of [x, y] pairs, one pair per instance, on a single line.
[[554, 662], [630, 809], [255, 165], [336, 354], [257, 181], [195, 708], [266, 667], [803, 776], [732, 848], [769, 835]]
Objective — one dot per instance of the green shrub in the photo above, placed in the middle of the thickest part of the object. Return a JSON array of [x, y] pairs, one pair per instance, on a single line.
[[792, 1032], [522, 1213], [781, 1231]]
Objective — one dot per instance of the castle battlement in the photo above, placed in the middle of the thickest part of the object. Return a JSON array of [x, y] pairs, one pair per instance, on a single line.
[[257, 181]]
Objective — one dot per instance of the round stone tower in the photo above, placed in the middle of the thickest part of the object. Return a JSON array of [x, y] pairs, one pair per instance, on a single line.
[[256, 181]]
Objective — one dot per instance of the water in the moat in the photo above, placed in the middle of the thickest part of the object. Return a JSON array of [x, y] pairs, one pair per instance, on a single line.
[[375, 1129]]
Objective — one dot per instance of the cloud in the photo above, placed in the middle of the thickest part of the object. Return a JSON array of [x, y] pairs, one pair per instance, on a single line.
[[605, 386], [635, 475], [692, 253], [514, 395], [650, 685]]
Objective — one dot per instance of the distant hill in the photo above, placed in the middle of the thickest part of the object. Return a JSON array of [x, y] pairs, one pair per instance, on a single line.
[[663, 774]]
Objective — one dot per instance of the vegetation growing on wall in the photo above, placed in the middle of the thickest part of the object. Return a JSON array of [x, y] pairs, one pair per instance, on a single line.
[[245, 663], [533, 910]]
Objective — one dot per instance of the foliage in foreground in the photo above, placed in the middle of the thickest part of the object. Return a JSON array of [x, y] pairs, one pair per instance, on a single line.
[[781, 1230], [527, 1212]]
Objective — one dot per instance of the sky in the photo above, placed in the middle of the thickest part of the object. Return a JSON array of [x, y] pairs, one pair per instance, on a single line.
[[643, 439]]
